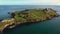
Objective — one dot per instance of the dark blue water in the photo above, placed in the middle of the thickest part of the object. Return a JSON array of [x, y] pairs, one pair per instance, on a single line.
[[46, 27]]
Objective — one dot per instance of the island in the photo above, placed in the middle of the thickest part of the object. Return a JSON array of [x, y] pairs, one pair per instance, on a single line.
[[27, 16]]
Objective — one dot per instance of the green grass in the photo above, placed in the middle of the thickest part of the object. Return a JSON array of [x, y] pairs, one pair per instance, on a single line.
[[33, 14]]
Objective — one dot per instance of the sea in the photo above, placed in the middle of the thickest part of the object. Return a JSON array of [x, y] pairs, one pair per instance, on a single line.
[[45, 27]]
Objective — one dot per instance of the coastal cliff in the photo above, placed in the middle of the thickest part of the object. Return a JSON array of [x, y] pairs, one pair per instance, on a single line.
[[27, 16]]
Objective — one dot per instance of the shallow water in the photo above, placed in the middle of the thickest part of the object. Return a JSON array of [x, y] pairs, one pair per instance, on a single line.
[[46, 27]]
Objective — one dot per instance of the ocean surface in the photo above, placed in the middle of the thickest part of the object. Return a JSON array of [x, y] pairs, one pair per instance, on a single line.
[[46, 27]]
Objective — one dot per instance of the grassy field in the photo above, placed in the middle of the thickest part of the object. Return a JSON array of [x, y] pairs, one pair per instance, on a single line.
[[34, 14]]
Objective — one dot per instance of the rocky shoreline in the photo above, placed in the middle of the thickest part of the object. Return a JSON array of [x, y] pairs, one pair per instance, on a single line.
[[27, 16]]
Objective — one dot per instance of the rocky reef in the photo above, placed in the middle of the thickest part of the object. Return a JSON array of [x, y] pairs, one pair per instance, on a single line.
[[27, 16]]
